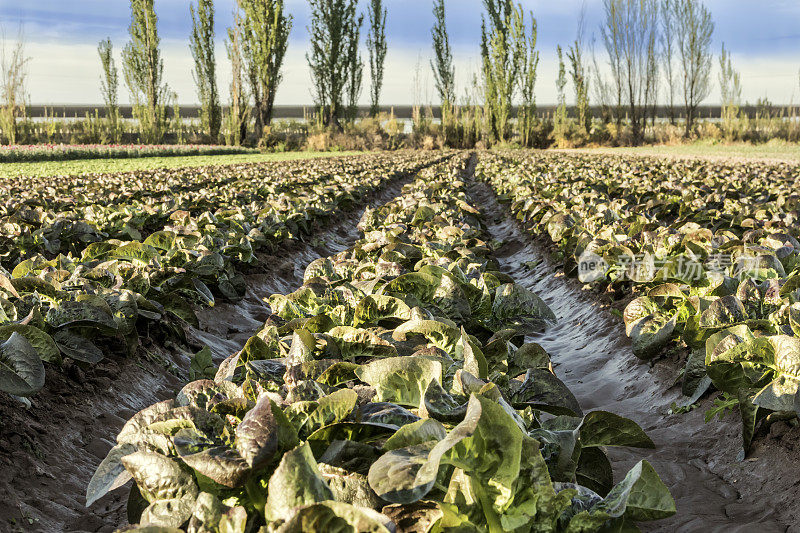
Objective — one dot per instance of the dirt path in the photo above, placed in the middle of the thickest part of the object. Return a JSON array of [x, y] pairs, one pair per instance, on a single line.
[[49, 453], [593, 357]]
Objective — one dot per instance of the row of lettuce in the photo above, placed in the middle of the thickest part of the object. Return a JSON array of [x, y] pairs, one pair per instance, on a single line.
[[709, 250], [87, 264], [394, 391], [66, 152]]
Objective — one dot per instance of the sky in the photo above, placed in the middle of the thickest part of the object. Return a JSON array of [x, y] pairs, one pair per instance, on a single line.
[[61, 38]]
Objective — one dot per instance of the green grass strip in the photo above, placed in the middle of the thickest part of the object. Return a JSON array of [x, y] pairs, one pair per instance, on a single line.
[[91, 166]]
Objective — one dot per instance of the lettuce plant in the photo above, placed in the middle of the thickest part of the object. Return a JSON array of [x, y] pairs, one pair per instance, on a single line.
[[395, 387]]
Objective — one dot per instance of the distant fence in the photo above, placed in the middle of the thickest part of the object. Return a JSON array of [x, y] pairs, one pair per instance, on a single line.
[[400, 111]]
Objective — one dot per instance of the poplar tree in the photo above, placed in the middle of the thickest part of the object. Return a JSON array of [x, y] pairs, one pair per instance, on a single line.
[[730, 84], [527, 115], [502, 31], [611, 31], [376, 44], [652, 80], [13, 83], [629, 33], [238, 112], [667, 41], [694, 28], [560, 122], [264, 29], [109, 87], [444, 72], [144, 72], [201, 45], [355, 75], [580, 83], [333, 59]]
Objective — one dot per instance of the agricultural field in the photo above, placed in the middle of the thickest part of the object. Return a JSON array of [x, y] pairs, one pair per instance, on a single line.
[[297, 302], [94, 256], [412, 342], [699, 261]]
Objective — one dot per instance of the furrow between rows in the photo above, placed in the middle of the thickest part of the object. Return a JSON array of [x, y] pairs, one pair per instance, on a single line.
[[77, 420], [593, 356]]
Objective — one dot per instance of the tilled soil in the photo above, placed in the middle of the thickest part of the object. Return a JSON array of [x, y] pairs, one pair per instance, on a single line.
[[48, 453], [697, 461]]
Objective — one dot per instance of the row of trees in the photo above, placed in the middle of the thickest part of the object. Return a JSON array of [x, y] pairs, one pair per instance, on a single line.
[[256, 45], [509, 61], [650, 51], [650, 45], [645, 41]]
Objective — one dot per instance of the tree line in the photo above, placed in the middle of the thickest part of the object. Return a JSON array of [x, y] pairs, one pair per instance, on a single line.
[[256, 45], [645, 42], [642, 52]]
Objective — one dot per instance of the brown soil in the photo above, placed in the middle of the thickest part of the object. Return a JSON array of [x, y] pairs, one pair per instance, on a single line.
[[48, 453], [697, 461]]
